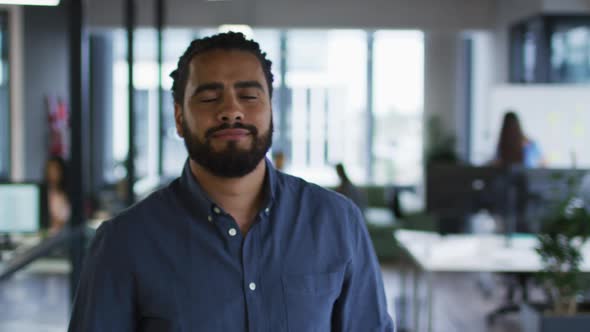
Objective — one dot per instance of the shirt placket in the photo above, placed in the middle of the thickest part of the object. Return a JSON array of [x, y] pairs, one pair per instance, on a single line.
[[251, 267], [241, 251], [229, 232]]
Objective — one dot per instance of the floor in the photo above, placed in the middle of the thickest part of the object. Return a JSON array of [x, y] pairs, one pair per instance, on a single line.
[[460, 302], [34, 302], [38, 301]]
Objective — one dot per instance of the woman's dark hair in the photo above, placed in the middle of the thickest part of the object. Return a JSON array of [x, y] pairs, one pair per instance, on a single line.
[[223, 41], [510, 144], [63, 171]]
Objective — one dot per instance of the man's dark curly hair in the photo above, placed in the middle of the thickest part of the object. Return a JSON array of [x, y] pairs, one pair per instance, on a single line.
[[223, 41]]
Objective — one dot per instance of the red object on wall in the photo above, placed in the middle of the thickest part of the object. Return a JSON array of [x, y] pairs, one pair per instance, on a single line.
[[59, 131]]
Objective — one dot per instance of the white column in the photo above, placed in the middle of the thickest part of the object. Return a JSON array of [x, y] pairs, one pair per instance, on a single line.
[[16, 56]]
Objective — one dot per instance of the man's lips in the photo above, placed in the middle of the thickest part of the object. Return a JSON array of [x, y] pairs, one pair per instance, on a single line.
[[234, 133]]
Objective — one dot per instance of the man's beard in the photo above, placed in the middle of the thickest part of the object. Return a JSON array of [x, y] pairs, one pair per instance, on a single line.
[[232, 161]]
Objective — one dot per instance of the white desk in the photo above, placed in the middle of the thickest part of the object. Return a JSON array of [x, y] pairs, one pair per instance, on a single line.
[[30, 250], [470, 253]]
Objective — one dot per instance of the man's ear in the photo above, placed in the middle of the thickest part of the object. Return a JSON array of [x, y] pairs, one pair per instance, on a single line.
[[178, 119]]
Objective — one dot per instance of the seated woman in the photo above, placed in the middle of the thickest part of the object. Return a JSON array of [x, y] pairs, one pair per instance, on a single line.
[[348, 189], [58, 203]]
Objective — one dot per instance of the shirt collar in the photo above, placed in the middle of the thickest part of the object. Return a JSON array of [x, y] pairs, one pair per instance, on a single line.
[[271, 184], [201, 202]]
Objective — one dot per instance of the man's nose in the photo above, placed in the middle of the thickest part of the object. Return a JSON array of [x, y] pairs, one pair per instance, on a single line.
[[231, 110]]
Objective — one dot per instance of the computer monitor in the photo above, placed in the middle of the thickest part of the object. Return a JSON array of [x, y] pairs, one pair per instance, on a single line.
[[453, 192], [457, 190], [21, 208]]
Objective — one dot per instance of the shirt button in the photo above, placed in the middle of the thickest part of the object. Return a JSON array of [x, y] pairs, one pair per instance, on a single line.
[[267, 210], [216, 210], [252, 286], [232, 232], [209, 218]]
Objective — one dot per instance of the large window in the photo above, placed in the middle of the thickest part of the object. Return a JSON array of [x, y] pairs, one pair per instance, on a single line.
[[120, 119], [321, 107], [570, 56], [326, 76], [173, 150], [550, 49], [146, 117], [4, 99], [398, 98]]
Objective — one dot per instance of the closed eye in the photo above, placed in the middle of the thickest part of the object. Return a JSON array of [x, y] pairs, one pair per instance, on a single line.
[[249, 97], [207, 100]]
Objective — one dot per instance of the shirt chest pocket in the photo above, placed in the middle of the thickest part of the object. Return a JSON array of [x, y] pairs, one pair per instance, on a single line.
[[309, 300]]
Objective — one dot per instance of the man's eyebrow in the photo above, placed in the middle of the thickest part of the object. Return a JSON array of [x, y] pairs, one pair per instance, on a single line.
[[249, 84], [208, 86]]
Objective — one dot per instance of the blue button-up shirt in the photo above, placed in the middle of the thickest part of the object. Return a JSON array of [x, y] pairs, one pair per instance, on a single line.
[[177, 262]]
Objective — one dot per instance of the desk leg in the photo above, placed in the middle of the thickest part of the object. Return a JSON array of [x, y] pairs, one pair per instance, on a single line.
[[402, 310], [415, 301], [430, 295]]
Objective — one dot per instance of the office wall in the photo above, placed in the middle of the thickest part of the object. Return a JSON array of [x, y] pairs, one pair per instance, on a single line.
[[420, 14], [441, 69], [46, 73]]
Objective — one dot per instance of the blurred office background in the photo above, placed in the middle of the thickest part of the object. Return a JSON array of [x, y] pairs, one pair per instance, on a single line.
[[383, 87]]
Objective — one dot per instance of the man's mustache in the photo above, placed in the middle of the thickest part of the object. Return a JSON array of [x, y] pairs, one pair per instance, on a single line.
[[238, 125]]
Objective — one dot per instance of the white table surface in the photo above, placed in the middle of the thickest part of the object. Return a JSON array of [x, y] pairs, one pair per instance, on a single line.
[[476, 252]]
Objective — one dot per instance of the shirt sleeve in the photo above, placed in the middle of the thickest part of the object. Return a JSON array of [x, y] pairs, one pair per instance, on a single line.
[[533, 157], [105, 297], [362, 305], [537, 154]]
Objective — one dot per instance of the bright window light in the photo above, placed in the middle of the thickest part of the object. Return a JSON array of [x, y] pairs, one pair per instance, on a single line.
[[30, 2]]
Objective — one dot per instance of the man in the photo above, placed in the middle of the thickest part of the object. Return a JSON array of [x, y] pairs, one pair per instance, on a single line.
[[233, 244]]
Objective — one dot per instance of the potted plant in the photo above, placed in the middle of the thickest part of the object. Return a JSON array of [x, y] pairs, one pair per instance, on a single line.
[[440, 144], [564, 234]]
